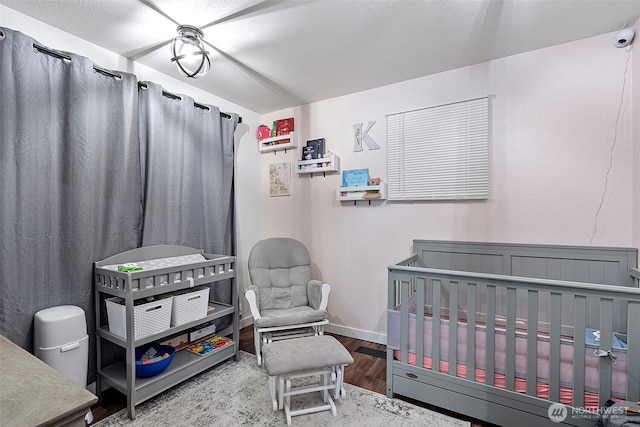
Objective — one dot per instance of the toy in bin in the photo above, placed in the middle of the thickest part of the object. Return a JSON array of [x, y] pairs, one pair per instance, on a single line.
[[153, 359], [205, 347]]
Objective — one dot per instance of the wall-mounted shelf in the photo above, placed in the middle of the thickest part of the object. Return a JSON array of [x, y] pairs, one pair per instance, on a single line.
[[277, 143], [324, 165], [354, 194]]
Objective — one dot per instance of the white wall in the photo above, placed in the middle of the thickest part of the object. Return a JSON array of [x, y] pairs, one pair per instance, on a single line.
[[247, 180], [635, 73], [554, 132]]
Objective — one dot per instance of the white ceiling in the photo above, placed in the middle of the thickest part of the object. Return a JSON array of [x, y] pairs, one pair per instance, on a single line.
[[270, 55]]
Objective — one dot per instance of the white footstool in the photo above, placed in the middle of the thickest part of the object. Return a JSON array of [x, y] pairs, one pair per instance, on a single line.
[[321, 355]]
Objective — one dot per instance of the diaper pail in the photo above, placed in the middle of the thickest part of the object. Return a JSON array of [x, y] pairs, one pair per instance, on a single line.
[[61, 341]]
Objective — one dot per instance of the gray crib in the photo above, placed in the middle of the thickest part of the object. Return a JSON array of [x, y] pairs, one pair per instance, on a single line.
[[515, 334]]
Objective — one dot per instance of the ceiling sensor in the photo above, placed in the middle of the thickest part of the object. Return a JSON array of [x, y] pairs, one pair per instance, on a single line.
[[624, 38]]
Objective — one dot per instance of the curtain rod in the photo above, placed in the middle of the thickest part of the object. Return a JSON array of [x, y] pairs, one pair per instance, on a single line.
[[117, 76]]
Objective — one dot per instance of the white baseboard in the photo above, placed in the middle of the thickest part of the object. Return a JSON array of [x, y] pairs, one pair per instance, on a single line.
[[356, 333]]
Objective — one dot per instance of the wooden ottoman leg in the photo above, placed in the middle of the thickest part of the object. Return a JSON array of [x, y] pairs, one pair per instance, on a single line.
[[272, 390], [339, 391], [287, 400], [281, 392], [324, 382]]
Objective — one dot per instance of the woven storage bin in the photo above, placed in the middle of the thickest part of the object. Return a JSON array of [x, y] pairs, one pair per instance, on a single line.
[[189, 306], [148, 318]]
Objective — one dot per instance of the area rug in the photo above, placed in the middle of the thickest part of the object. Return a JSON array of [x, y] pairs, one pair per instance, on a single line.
[[237, 394]]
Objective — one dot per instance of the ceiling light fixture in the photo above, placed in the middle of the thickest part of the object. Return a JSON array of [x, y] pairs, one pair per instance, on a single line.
[[188, 52]]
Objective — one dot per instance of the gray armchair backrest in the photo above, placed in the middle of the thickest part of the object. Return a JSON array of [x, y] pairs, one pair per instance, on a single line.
[[281, 269]]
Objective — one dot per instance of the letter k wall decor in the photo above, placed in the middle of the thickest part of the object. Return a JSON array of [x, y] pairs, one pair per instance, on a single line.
[[359, 136]]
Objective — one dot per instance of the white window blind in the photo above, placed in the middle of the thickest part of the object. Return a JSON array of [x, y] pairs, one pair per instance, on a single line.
[[439, 153]]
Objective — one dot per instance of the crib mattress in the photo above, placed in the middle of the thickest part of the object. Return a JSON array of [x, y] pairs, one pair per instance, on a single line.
[[618, 380]]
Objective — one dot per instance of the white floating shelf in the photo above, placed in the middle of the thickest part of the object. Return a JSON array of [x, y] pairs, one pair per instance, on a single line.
[[348, 194], [277, 143], [323, 165]]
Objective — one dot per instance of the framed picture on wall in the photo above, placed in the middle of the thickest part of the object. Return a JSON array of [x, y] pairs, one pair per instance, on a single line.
[[280, 179]]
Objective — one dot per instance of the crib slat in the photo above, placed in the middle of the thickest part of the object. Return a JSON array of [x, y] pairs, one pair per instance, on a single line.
[[633, 352], [532, 341], [471, 331], [491, 333], [580, 322], [606, 329], [554, 347], [511, 339], [392, 286], [420, 284], [453, 328], [392, 302], [404, 339], [435, 335]]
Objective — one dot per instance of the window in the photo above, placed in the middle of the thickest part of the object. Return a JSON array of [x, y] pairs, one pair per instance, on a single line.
[[439, 153]]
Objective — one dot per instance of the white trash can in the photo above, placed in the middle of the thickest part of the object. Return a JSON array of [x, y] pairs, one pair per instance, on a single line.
[[61, 341]]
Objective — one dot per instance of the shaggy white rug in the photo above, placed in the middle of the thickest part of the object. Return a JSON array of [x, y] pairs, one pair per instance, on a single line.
[[237, 394]]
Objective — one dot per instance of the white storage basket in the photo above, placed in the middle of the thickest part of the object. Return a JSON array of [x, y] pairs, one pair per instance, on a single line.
[[189, 306], [148, 318]]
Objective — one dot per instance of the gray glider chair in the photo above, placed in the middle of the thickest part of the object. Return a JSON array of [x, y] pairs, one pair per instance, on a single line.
[[284, 301]]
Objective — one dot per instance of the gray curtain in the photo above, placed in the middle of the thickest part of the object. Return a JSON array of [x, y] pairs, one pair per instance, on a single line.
[[70, 190], [187, 175]]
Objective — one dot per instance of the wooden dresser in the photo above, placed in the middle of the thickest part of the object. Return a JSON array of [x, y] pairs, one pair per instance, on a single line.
[[34, 394]]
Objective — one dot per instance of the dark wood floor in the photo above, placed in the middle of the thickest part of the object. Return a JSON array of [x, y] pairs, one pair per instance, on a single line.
[[367, 371]]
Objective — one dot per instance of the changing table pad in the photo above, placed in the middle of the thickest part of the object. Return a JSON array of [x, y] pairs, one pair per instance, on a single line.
[[156, 264], [181, 263]]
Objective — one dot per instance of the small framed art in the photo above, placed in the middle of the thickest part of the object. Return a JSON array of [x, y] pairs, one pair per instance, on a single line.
[[280, 179]]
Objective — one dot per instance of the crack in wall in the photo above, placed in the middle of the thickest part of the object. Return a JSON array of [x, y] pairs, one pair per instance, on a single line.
[[611, 151]]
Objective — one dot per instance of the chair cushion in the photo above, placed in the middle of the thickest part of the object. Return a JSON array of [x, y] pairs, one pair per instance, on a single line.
[[281, 268], [289, 316], [276, 297]]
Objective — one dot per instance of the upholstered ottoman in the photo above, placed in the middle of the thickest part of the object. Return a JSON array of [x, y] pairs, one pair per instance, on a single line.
[[321, 355]]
